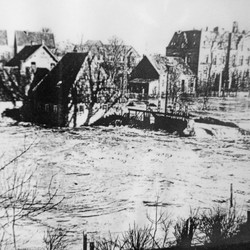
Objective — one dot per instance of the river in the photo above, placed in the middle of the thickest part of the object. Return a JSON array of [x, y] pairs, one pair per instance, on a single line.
[[108, 176]]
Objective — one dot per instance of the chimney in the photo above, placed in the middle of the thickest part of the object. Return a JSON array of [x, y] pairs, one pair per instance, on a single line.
[[235, 27], [216, 29]]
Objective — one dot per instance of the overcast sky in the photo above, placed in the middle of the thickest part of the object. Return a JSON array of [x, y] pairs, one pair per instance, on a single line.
[[148, 25]]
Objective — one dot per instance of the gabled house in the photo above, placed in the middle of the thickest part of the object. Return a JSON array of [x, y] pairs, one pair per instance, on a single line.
[[53, 100], [155, 74], [38, 55], [24, 38], [107, 52], [5, 50], [186, 44]]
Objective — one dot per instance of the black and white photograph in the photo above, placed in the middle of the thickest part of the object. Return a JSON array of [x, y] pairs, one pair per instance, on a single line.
[[124, 124]]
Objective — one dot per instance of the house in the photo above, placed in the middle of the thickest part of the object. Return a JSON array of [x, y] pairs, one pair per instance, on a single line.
[[31, 64], [186, 44], [115, 50], [52, 101], [155, 74], [5, 50], [38, 55], [24, 38], [219, 58]]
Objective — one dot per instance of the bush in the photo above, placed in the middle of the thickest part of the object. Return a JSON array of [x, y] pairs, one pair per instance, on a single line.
[[218, 226]]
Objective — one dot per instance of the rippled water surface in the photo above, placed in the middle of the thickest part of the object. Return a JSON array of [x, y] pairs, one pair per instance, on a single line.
[[109, 175]]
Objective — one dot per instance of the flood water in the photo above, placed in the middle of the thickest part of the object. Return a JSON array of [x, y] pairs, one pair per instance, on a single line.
[[109, 175]]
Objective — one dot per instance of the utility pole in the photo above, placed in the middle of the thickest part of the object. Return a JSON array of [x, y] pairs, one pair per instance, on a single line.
[[166, 96]]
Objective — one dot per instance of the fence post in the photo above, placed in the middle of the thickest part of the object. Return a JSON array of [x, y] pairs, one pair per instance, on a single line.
[[231, 195], [84, 241], [92, 246]]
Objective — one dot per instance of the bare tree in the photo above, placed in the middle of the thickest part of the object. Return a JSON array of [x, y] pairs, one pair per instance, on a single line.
[[137, 238], [161, 220], [99, 85], [110, 243], [218, 226], [20, 199], [46, 30], [13, 84], [55, 239], [185, 229]]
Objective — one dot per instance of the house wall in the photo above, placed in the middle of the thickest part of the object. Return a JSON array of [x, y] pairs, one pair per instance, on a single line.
[[186, 45], [41, 58], [238, 56], [239, 64], [213, 56], [153, 88]]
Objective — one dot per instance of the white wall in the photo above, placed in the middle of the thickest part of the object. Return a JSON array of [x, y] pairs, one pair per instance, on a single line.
[[153, 87], [41, 58]]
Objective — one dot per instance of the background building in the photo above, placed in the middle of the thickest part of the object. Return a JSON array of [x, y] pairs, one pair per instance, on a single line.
[[219, 58]]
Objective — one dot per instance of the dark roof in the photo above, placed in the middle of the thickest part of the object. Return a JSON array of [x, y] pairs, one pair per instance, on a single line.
[[26, 52], [151, 67], [38, 76], [24, 38], [3, 37], [145, 70], [56, 85], [185, 40]]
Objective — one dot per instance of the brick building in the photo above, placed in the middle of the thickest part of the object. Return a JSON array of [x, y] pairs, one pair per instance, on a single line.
[[219, 58]]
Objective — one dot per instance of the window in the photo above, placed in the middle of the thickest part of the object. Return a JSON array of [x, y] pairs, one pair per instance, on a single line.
[[47, 107], [55, 108], [215, 60], [248, 60], [241, 60], [81, 108], [207, 58], [233, 60]]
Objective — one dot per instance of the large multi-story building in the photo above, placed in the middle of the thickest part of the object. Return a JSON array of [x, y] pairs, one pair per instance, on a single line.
[[219, 58]]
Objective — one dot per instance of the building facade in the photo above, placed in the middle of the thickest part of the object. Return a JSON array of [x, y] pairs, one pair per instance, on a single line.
[[38, 55], [154, 75], [219, 58]]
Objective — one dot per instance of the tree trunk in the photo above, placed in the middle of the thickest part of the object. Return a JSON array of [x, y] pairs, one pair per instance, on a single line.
[[90, 114]]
